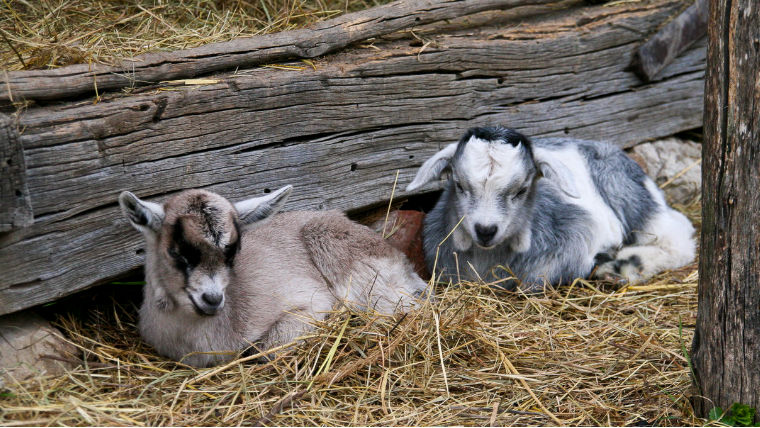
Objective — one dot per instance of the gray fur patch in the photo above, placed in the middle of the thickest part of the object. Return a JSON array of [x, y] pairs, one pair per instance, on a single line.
[[620, 182], [558, 250]]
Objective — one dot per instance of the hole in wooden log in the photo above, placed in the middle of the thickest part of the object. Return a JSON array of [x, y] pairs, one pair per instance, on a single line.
[[160, 107], [18, 193], [267, 190], [500, 80], [144, 107], [139, 251], [9, 162], [567, 130], [353, 167], [411, 156], [417, 19]]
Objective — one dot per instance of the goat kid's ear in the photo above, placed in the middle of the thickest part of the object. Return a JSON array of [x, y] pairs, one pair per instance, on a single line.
[[144, 216], [433, 167], [256, 209], [560, 175]]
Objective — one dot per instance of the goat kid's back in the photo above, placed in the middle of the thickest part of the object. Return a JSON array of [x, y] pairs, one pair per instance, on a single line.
[[221, 278]]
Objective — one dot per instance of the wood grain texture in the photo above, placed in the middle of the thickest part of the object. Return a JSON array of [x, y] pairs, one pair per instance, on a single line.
[[314, 41], [338, 133], [670, 41], [15, 205], [726, 348]]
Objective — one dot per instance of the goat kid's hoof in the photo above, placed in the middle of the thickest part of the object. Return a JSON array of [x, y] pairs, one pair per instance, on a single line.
[[611, 278], [621, 271]]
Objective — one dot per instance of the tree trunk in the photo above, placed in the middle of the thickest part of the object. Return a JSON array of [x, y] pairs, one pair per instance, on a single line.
[[726, 349]]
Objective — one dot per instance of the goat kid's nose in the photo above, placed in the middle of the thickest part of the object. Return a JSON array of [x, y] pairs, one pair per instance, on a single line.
[[485, 233], [212, 299]]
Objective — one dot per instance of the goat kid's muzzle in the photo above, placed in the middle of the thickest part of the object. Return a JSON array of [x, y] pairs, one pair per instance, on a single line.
[[208, 304], [485, 235]]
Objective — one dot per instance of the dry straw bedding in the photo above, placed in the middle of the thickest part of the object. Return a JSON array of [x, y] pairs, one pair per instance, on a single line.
[[585, 354], [39, 34]]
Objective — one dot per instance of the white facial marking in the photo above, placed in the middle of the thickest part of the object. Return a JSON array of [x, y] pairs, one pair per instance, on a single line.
[[490, 166], [485, 172], [212, 285]]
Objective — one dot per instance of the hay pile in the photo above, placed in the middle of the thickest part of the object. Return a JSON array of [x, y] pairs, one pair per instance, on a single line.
[[40, 34], [581, 355]]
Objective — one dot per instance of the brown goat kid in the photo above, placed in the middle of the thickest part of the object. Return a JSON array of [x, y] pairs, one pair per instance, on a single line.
[[220, 280]]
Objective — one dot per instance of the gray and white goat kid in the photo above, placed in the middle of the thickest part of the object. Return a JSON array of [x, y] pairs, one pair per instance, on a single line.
[[221, 278], [549, 210]]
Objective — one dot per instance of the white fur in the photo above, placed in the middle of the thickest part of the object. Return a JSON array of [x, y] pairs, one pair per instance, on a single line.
[[484, 190], [489, 170], [432, 168], [665, 243], [575, 174]]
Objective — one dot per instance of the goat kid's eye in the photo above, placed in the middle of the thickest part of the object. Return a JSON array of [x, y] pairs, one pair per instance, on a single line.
[[229, 253], [460, 189], [521, 193], [180, 261]]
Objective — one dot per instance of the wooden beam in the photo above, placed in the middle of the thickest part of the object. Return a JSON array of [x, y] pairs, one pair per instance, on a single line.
[[674, 38], [15, 205], [338, 133], [314, 41]]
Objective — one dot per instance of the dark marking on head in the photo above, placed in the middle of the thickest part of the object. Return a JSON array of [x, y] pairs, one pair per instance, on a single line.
[[232, 248], [500, 135], [185, 255], [497, 134], [209, 216]]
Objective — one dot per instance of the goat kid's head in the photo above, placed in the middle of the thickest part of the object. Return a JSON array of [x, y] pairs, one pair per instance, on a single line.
[[192, 241], [493, 173]]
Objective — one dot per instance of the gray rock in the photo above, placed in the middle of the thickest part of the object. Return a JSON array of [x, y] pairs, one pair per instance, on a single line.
[[30, 346], [672, 157]]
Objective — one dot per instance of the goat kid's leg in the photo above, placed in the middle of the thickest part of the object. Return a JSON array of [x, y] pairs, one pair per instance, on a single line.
[[399, 288], [666, 243], [288, 328]]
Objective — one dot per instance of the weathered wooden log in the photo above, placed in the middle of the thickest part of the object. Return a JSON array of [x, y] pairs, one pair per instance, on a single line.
[[338, 133], [726, 347], [15, 205], [674, 38], [319, 39]]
